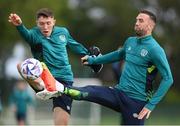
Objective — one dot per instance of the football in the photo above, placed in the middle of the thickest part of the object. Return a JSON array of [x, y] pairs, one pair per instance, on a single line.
[[31, 68]]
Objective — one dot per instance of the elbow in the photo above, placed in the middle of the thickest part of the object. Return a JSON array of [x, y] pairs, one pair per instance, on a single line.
[[170, 80]]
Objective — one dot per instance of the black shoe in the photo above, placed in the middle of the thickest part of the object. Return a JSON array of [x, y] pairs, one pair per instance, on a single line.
[[95, 51]]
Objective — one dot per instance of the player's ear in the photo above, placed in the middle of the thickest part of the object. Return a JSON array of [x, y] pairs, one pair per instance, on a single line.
[[151, 25], [54, 21]]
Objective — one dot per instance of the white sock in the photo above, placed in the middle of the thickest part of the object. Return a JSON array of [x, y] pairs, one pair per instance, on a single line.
[[59, 87]]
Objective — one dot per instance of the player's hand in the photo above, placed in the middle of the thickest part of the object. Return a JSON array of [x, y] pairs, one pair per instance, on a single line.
[[144, 113], [15, 19], [84, 60]]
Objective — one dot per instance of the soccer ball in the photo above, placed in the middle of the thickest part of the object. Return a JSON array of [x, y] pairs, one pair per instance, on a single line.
[[31, 68]]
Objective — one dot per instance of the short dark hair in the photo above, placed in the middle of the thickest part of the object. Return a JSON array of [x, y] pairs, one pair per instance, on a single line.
[[151, 15], [45, 12]]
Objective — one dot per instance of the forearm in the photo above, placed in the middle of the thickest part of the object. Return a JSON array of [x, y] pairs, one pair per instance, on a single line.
[[24, 32], [159, 94], [108, 58]]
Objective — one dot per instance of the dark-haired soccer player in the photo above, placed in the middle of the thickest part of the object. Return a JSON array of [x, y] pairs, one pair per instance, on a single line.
[[48, 44]]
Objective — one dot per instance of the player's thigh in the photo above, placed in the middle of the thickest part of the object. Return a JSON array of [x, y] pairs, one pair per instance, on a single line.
[[61, 117], [129, 107], [62, 109]]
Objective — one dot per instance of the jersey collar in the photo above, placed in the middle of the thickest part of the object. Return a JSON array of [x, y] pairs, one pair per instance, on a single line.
[[144, 39]]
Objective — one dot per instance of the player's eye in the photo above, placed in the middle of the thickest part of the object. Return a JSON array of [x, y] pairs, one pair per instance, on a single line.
[[41, 23], [49, 23], [141, 20]]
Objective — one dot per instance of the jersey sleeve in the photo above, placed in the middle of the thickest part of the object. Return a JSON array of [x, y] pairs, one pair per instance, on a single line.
[[159, 59], [75, 46], [27, 34]]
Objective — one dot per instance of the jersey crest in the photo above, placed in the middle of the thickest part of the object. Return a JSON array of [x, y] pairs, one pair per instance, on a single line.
[[144, 52], [62, 38]]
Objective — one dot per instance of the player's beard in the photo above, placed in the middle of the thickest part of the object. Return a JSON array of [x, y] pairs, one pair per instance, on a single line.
[[140, 32]]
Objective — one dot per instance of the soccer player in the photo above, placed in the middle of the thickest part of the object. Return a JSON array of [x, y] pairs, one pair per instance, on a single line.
[[20, 99], [48, 44], [133, 96]]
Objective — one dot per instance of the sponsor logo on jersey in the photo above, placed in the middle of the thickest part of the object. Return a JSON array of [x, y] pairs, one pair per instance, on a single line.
[[62, 38], [144, 52]]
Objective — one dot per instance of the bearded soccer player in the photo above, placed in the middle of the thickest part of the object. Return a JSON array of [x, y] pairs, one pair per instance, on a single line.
[[133, 96]]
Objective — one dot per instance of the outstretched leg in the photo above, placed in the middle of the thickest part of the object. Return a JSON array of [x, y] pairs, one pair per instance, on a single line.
[[102, 95]]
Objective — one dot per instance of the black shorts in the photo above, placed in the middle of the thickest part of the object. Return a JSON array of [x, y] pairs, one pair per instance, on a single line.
[[63, 101]]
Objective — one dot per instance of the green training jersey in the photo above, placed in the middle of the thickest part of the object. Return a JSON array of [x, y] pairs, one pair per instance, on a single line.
[[52, 50], [21, 99], [143, 58]]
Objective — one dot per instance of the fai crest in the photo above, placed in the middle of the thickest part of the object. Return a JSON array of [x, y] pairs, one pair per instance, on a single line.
[[62, 38], [144, 52]]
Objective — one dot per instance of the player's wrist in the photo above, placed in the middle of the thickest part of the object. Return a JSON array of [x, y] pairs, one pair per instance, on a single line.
[[19, 25]]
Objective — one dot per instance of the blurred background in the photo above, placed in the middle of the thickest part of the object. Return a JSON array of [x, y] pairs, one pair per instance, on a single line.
[[104, 23]]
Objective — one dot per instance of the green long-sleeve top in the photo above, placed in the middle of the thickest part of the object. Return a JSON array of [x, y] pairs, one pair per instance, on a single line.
[[21, 99], [52, 50], [143, 57]]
